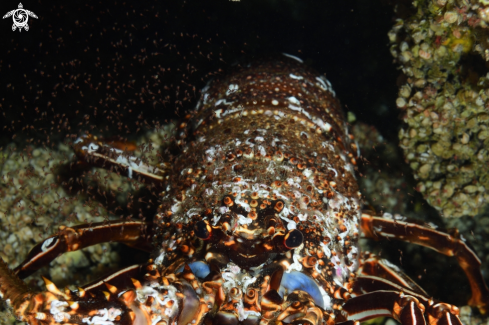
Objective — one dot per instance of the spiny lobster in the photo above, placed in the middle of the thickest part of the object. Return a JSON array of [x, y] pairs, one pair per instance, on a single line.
[[258, 223]]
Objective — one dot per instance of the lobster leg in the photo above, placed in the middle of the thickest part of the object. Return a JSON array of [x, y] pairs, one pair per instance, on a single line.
[[110, 155], [381, 289], [378, 274], [404, 308], [54, 306], [136, 295], [378, 228], [137, 234], [91, 304]]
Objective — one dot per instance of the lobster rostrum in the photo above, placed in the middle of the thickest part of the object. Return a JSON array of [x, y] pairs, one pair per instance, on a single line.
[[258, 223]]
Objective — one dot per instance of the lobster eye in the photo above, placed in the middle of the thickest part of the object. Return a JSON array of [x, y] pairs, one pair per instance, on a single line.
[[201, 230], [293, 239]]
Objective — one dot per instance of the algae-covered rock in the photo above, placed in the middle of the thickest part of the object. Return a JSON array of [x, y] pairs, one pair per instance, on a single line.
[[442, 49]]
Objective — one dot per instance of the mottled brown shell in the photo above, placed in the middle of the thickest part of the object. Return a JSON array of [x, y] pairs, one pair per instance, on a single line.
[[266, 176]]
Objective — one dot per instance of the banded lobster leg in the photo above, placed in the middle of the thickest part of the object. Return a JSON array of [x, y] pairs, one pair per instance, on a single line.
[[137, 234], [396, 295], [382, 289], [115, 156]]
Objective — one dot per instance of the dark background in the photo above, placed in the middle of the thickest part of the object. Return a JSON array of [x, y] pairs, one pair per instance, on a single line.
[[74, 45]]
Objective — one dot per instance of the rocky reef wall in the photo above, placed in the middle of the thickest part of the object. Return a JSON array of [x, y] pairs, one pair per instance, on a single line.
[[442, 49]]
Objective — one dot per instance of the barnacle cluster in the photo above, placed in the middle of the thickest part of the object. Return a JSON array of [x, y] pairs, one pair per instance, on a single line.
[[442, 50]]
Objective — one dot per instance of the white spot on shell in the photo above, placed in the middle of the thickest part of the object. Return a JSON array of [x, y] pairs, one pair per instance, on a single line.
[[294, 100], [232, 88], [242, 220], [296, 265], [46, 243], [293, 76]]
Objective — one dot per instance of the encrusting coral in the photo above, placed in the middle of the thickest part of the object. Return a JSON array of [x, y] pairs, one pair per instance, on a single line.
[[442, 50]]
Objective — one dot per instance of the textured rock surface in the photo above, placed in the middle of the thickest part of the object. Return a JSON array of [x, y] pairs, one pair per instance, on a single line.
[[442, 49]]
